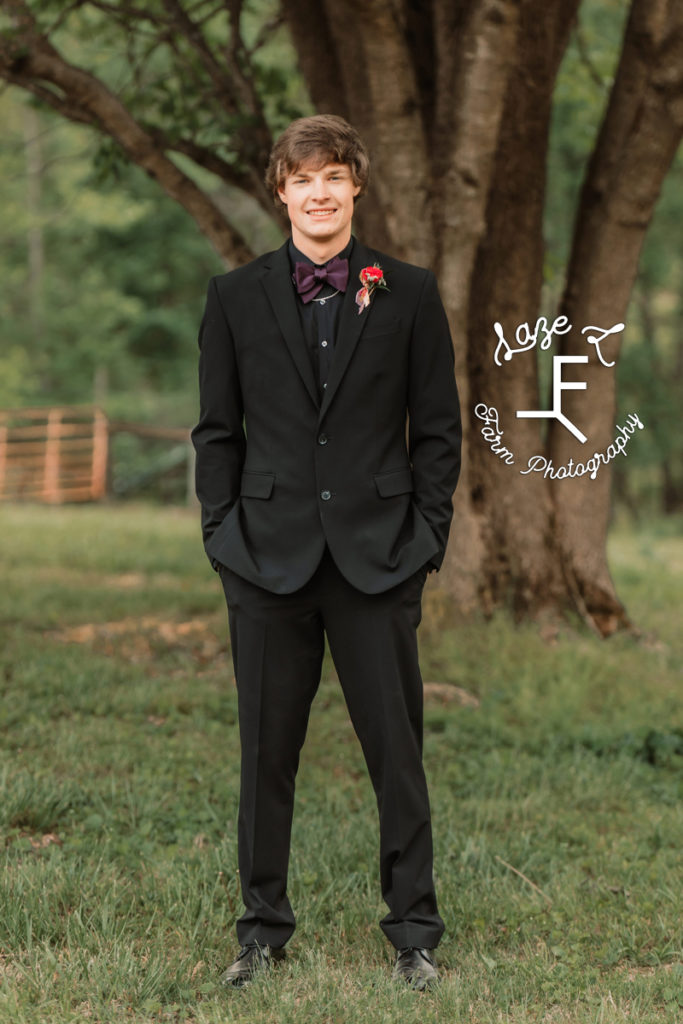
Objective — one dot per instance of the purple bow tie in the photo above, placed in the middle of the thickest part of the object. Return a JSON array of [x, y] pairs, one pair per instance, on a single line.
[[309, 279]]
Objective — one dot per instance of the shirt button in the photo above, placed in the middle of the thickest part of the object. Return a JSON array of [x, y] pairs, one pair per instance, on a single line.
[[326, 495], [324, 344], [325, 384], [322, 439]]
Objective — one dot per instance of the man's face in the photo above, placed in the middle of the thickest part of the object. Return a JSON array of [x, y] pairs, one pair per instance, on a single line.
[[320, 206]]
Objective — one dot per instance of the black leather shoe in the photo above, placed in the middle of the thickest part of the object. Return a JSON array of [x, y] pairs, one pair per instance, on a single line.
[[250, 960], [416, 966]]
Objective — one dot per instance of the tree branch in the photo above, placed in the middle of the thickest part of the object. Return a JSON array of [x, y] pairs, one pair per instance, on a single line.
[[124, 11], [235, 91], [214, 9], [586, 59], [239, 60], [233, 175], [264, 33], [50, 98], [29, 60], [223, 82], [64, 14]]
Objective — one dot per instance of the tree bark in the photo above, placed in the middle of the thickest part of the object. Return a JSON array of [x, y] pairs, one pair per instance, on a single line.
[[516, 512], [483, 39]]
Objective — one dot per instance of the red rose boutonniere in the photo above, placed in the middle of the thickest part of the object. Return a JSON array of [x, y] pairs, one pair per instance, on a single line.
[[370, 278]]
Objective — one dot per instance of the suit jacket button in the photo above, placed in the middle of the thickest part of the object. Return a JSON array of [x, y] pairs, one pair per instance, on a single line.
[[322, 439], [326, 495]]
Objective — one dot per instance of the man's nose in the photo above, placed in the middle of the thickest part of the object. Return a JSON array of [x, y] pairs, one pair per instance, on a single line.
[[320, 189]]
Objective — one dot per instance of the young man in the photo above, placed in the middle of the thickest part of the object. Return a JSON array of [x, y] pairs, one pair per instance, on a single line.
[[323, 517]]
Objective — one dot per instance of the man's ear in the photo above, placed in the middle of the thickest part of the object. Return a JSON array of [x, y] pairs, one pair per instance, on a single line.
[[281, 194]]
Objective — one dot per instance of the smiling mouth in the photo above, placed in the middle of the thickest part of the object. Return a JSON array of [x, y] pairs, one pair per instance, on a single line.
[[320, 213]]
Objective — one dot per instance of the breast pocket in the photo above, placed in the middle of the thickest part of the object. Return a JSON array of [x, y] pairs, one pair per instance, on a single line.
[[378, 329]]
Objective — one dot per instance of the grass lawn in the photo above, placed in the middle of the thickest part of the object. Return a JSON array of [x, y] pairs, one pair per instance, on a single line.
[[555, 768]]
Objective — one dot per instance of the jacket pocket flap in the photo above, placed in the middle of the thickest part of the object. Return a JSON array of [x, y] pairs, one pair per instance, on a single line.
[[257, 485], [397, 481]]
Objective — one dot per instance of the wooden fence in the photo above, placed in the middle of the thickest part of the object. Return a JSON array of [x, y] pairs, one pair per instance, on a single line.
[[53, 455], [63, 454]]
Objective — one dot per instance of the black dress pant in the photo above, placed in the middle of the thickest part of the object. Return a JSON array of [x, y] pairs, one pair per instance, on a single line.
[[278, 644]]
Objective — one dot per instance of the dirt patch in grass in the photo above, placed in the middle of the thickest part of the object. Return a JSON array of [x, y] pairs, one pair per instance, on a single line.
[[633, 971], [142, 639], [448, 693]]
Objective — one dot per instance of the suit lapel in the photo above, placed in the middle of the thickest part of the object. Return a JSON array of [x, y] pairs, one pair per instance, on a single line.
[[351, 323], [277, 281]]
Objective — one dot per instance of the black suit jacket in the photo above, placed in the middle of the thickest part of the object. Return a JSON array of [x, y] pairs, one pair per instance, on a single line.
[[280, 474]]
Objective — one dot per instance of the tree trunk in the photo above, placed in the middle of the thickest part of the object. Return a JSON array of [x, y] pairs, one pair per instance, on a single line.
[[672, 464], [638, 140], [372, 70], [520, 561], [469, 111]]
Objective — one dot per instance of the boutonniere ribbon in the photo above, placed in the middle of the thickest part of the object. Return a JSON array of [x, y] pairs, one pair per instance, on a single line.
[[370, 278]]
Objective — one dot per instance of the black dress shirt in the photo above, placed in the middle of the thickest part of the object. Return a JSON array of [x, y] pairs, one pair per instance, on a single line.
[[320, 317]]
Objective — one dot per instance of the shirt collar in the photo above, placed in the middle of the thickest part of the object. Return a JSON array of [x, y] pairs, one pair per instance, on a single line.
[[296, 256]]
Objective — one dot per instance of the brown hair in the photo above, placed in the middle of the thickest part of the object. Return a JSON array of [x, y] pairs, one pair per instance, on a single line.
[[321, 139]]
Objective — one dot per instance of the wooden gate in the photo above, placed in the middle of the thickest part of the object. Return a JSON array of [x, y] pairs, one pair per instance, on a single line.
[[53, 455]]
